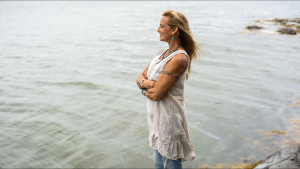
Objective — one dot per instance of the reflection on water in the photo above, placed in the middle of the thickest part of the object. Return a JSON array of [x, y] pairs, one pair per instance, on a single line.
[[68, 96]]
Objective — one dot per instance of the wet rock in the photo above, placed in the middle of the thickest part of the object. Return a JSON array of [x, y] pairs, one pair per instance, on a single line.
[[285, 158], [281, 25], [287, 31], [297, 20], [281, 21], [254, 27]]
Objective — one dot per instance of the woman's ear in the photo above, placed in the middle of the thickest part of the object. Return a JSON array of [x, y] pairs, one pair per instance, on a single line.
[[175, 30]]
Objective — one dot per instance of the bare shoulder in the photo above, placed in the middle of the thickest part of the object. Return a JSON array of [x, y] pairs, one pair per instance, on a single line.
[[180, 57], [180, 61]]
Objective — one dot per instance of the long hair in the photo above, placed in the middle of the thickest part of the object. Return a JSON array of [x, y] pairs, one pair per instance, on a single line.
[[177, 19]]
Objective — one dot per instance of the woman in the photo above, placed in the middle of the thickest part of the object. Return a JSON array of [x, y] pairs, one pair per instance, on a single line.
[[162, 82]]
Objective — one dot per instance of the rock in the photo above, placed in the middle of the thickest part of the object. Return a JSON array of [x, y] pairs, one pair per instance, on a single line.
[[287, 31], [283, 26], [281, 21], [254, 27], [297, 20], [285, 158]]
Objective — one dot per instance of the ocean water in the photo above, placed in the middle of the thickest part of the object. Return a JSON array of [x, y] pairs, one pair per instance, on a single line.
[[68, 97]]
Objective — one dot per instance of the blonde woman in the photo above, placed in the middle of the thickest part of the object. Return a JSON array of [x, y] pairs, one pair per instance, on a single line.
[[162, 83]]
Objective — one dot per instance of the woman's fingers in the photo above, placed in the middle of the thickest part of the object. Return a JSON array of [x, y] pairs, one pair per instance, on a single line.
[[150, 83]]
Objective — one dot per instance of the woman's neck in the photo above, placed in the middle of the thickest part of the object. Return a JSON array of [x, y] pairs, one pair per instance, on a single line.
[[173, 44]]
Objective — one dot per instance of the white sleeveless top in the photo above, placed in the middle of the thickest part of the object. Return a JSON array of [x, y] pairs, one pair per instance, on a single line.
[[166, 117]]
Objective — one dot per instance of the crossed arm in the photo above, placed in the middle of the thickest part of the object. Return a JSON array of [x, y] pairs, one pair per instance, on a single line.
[[174, 69]]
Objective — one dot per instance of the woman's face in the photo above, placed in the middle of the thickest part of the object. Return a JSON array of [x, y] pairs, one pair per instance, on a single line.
[[164, 29]]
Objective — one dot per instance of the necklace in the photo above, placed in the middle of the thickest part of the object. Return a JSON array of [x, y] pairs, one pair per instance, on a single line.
[[163, 56]]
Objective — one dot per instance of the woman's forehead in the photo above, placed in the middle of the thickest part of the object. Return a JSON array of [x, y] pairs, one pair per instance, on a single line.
[[164, 20]]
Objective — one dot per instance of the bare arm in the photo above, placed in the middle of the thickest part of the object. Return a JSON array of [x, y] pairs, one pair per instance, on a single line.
[[174, 69], [146, 83], [142, 76]]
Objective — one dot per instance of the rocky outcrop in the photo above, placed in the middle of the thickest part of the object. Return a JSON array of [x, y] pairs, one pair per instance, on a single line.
[[286, 158], [297, 20], [287, 31], [286, 21], [285, 26], [254, 27], [281, 21]]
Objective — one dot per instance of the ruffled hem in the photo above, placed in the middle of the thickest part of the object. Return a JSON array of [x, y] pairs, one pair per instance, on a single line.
[[174, 150]]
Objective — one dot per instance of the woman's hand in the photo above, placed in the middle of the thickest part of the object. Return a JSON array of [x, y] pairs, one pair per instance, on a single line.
[[148, 83]]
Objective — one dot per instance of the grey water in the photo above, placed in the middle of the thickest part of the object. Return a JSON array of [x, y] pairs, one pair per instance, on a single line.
[[68, 97]]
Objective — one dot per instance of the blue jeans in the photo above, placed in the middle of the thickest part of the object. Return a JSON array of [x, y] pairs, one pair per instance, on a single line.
[[162, 162]]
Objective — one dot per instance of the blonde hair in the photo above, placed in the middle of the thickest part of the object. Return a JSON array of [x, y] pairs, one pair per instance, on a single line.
[[177, 19]]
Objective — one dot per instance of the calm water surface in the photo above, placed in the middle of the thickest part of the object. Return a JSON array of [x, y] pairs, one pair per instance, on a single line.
[[68, 96]]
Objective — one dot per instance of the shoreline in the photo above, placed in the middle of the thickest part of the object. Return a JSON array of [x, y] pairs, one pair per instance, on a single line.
[[288, 157]]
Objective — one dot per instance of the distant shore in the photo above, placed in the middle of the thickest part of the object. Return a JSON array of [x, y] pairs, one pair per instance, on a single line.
[[283, 26]]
